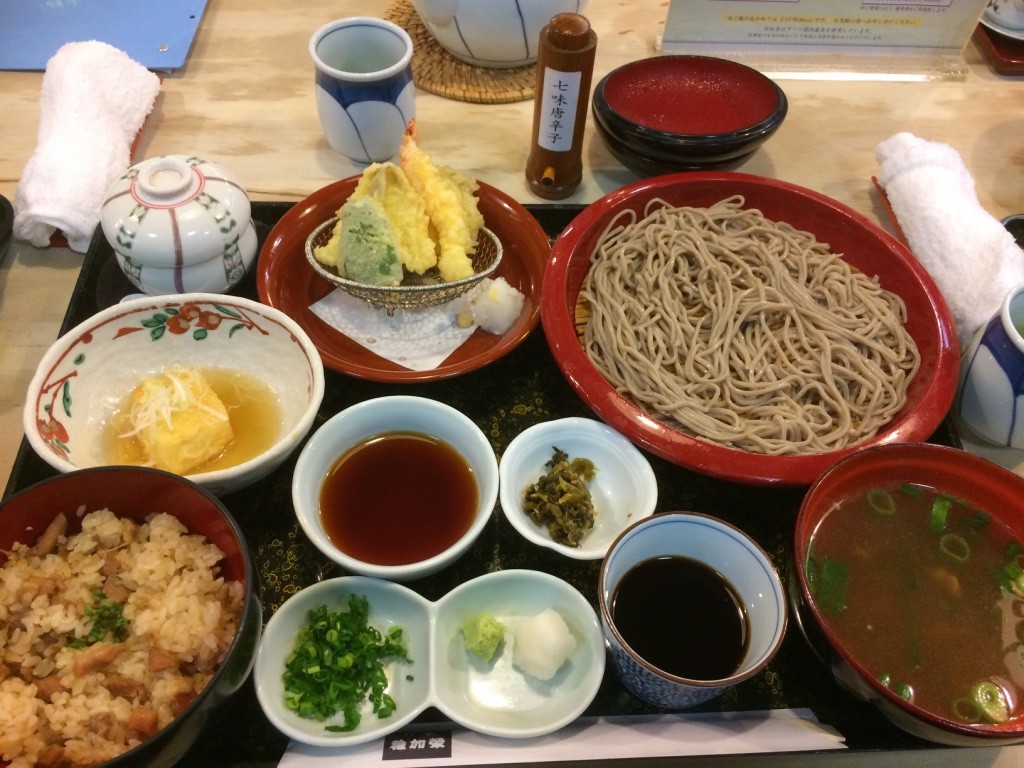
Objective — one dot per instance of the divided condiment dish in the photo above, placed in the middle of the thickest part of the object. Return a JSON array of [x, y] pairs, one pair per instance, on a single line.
[[496, 698]]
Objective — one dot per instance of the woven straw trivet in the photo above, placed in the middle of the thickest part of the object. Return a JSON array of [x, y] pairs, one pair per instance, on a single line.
[[437, 71]]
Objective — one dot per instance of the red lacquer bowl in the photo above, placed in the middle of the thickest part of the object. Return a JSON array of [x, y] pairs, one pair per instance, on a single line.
[[979, 483], [865, 246], [285, 280], [138, 493], [673, 113]]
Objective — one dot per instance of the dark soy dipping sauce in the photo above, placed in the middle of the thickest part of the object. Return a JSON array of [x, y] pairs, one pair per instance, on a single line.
[[682, 617], [398, 498]]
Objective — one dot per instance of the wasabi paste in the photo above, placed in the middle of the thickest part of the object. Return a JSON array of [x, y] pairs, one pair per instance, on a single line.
[[483, 634]]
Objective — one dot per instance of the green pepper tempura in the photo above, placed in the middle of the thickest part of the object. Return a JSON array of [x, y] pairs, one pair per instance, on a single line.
[[338, 662]]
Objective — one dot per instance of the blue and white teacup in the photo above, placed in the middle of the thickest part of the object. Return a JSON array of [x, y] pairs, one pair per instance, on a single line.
[[991, 397], [364, 88]]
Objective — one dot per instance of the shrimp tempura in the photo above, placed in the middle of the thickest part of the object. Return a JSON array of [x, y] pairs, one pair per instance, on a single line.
[[451, 206]]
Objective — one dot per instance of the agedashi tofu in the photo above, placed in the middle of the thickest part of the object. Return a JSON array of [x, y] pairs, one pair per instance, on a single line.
[[179, 420]]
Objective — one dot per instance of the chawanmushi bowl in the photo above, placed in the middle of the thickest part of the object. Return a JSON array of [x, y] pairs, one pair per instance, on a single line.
[[180, 224]]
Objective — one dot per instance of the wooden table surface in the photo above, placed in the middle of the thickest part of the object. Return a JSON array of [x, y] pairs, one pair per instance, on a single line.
[[245, 100]]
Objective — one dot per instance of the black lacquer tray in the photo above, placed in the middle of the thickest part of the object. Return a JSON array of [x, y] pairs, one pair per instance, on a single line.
[[504, 397]]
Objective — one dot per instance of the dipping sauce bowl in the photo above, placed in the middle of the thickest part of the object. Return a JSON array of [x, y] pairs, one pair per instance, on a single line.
[[709, 556]]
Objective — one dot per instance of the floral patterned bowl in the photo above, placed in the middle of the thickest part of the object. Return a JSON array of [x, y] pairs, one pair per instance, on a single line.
[[86, 376]]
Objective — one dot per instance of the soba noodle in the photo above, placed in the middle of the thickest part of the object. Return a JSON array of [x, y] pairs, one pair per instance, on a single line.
[[743, 331]]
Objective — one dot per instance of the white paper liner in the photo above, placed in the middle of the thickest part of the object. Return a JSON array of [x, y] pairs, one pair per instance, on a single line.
[[417, 339]]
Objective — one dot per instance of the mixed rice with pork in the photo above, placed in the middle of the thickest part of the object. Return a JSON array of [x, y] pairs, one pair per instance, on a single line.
[[107, 635]]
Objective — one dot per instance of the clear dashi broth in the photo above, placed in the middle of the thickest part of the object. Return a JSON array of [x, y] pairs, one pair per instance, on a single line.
[[925, 591]]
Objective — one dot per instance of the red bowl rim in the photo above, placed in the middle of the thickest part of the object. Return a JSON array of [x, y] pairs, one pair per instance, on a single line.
[[745, 76]]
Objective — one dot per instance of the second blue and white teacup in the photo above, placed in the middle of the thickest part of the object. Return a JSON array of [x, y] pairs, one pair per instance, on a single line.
[[991, 397], [364, 87]]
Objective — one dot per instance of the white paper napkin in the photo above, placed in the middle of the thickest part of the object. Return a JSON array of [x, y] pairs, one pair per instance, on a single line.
[[970, 255], [93, 101], [418, 339]]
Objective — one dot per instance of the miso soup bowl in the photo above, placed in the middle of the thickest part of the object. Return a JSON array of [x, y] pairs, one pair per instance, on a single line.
[[726, 550], [370, 418], [978, 482]]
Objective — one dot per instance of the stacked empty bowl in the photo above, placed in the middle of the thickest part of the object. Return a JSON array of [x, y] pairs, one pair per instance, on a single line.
[[179, 224], [666, 114]]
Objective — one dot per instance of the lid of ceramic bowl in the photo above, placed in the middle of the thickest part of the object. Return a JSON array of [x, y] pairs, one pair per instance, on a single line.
[[174, 211]]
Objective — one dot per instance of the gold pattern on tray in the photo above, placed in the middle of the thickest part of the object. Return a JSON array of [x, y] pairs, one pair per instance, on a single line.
[[438, 72]]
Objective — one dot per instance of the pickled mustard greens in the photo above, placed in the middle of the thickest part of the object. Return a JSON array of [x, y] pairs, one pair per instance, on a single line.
[[927, 592], [560, 499], [338, 663]]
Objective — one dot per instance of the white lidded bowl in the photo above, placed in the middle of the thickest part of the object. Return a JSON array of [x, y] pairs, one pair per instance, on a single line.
[[496, 698], [179, 224], [624, 488], [86, 375], [370, 418]]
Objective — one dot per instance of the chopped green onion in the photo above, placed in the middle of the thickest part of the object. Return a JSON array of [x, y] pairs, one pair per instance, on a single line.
[[832, 586], [991, 700], [914, 491], [903, 690], [978, 521], [1012, 575], [338, 662], [955, 547], [811, 571], [967, 711], [1012, 550], [107, 618], [940, 513], [882, 502]]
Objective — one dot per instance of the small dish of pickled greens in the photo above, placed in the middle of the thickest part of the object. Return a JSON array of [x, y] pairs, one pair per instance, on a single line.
[[573, 484], [560, 499]]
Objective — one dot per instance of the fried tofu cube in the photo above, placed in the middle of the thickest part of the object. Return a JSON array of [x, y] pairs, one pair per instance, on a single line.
[[179, 420]]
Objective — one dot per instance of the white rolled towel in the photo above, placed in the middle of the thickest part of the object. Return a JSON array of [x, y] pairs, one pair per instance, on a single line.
[[93, 101], [967, 251]]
